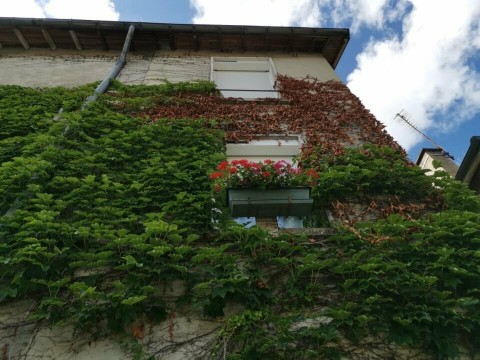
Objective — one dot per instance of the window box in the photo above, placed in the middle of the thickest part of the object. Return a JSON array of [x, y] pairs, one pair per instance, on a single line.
[[294, 201]]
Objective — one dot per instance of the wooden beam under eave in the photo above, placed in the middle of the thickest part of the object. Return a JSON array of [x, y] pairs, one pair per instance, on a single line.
[[196, 42], [21, 38], [103, 40], [74, 36], [171, 38], [326, 44], [220, 42], [49, 39], [242, 40], [312, 44]]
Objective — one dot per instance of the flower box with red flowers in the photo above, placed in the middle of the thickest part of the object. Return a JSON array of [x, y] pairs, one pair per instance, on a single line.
[[265, 189]]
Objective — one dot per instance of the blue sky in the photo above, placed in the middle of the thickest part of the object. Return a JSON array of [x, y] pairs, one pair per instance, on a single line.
[[421, 56]]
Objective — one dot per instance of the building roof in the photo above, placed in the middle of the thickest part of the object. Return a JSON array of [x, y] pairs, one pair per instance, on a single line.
[[110, 35]]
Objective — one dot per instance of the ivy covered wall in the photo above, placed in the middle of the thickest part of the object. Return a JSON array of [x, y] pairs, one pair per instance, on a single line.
[[107, 212]]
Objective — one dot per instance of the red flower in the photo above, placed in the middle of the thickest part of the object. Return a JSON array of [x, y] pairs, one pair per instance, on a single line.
[[266, 174], [216, 175], [223, 165]]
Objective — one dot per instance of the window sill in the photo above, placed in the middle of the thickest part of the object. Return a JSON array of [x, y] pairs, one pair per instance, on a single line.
[[266, 101]]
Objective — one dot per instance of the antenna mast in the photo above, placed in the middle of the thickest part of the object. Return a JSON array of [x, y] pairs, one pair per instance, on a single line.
[[405, 117]]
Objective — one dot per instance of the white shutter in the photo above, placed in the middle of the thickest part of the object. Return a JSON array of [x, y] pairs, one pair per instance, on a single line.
[[247, 79]]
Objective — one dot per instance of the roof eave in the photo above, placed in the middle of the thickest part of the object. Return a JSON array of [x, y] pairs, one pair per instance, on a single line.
[[329, 42]]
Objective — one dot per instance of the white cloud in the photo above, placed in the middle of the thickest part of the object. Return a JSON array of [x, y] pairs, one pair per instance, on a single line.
[[427, 72], [66, 9], [82, 9], [370, 13], [312, 13], [21, 8], [257, 12]]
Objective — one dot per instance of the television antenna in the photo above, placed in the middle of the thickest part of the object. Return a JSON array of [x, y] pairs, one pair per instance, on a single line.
[[406, 118]]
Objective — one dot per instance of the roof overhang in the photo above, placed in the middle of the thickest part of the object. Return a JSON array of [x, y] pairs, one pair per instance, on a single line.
[[110, 35]]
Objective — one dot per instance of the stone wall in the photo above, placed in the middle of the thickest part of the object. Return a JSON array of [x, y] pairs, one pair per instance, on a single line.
[[49, 68], [159, 69], [183, 335]]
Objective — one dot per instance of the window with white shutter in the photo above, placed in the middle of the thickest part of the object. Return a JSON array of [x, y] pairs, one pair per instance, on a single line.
[[242, 77]]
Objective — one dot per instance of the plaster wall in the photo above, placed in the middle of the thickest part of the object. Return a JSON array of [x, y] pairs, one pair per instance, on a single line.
[[175, 66], [48, 68], [40, 68]]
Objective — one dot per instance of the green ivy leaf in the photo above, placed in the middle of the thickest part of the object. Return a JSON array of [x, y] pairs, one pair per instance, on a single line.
[[133, 300]]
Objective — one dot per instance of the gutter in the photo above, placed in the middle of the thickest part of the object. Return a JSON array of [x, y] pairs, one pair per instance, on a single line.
[[122, 59]]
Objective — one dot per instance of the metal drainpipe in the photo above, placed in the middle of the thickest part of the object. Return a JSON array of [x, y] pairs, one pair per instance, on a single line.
[[122, 59]]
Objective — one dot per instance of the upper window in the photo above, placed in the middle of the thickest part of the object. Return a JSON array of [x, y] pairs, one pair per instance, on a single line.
[[242, 77]]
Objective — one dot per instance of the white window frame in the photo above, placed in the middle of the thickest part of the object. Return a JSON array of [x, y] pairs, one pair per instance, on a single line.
[[250, 65]]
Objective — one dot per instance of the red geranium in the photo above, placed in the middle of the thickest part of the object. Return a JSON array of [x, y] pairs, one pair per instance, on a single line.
[[216, 175], [267, 174]]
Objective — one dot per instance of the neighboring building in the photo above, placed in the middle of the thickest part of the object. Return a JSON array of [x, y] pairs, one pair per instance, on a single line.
[[428, 156], [469, 171]]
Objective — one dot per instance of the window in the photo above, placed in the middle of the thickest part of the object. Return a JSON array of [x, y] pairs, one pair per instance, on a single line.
[[247, 78], [269, 147]]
